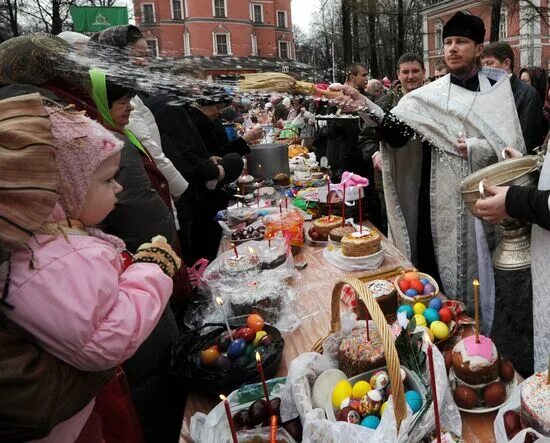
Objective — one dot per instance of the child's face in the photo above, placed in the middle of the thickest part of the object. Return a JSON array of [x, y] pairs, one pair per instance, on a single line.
[[101, 197]]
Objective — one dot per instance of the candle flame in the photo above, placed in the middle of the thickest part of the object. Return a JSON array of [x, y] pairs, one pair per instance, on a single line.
[[476, 282], [222, 397], [219, 301], [258, 358]]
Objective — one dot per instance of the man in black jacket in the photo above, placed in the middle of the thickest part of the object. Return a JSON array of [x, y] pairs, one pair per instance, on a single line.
[[528, 104]]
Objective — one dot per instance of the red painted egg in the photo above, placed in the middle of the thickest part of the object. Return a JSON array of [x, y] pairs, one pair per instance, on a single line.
[[512, 423], [245, 333], [417, 286], [494, 394], [404, 285], [445, 315]]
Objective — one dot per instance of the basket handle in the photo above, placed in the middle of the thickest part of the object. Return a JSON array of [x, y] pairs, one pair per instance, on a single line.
[[390, 353]]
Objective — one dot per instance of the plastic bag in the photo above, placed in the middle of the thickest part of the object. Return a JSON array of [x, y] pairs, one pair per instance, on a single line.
[[514, 404]]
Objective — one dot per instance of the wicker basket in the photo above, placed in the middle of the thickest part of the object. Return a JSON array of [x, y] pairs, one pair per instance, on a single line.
[[407, 300], [390, 353]]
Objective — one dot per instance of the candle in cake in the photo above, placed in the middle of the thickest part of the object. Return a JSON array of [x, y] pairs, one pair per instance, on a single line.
[[433, 386], [476, 305], [219, 301], [360, 209], [229, 419], [344, 206], [260, 368], [273, 430]]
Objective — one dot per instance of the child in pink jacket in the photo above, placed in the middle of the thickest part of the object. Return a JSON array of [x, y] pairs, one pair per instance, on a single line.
[[69, 286]]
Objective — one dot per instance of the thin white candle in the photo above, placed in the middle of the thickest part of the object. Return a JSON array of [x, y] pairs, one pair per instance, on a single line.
[[219, 301]]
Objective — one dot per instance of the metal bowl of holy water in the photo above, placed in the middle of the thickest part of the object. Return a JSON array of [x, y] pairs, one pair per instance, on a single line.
[[513, 251]]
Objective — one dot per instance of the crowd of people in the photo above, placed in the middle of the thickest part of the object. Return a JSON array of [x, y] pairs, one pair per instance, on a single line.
[[110, 193]]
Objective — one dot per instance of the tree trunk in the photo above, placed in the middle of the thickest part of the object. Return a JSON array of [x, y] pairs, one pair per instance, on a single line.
[[355, 26], [12, 7], [400, 29], [371, 15], [496, 6], [346, 30], [57, 22]]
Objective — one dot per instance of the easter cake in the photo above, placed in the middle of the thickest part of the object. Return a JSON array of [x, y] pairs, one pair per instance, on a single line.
[[337, 233], [535, 403], [356, 354], [362, 244], [385, 294], [326, 224], [475, 363]]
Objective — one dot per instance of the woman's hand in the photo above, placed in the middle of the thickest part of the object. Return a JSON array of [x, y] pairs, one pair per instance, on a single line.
[[511, 153], [493, 209]]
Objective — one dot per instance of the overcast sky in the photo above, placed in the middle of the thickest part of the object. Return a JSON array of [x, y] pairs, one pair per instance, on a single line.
[[302, 11]]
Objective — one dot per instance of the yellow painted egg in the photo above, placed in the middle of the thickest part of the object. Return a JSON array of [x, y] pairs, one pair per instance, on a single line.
[[420, 320], [360, 389], [419, 308], [259, 336], [440, 330], [341, 391], [383, 408]]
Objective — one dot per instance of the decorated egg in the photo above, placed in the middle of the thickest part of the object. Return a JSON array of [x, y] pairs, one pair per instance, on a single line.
[[222, 363], [250, 352], [428, 289], [345, 403], [259, 336], [506, 370], [355, 403], [424, 281], [407, 309], [349, 415], [246, 334], [431, 315], [417, 286], [360, 389], [410, 276], [404, 285], [512, 423], [445, 315], [383, 408], [340, 392], [495, 394], [381, 381], [223, 341], [411, 292], [440, 330], [209, 355], [419, 308], [255, 322], [371, 403], [236, 349], [465, 397], [372, 422], [435, 303], [420, 320], [414, 400]]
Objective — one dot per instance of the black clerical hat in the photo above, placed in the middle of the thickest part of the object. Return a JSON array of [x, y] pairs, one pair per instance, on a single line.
[[465, 25]]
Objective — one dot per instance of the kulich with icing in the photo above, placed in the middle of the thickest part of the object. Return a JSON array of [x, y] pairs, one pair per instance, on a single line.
[[475, 363], [385, 294], [535, 403], [326, 224], [356, 354], [361, 244]]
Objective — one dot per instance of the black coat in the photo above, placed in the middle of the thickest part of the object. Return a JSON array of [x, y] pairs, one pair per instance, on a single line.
[[530, 114]]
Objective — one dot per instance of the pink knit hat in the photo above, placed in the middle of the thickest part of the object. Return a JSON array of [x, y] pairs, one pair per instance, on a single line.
[[81, 145]]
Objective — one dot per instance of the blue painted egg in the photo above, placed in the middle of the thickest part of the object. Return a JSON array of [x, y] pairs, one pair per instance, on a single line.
[[431, 315], [370, 421], [407, 309], [435, 303], [236, 349], [414, 400], [411, 292], [424, 281]]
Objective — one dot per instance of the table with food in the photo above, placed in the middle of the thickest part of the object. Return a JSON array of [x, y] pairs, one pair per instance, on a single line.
[[312, 326]]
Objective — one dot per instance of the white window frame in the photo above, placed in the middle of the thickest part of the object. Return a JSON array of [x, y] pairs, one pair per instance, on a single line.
[[252, 15], [156, 40], [254, 45], [286, 17], [215, 43], [438, 35], [182, 9], [503, 26], [224, 7], [186, 43], [287, 49], [185, 8], [143, 13]]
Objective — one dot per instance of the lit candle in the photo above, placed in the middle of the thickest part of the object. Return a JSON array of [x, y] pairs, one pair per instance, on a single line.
[[433, 386], [229, 419], [344, 207], [360, 209], [264, 384], [476, 303], [273, 430], [260, 172], [219, 301]]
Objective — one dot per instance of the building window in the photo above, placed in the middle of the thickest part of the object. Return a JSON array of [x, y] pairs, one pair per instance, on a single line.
[[283, 49], [222, 44], [281, 19], [220, 8], [438, 35], [177, 10], [147, 13], [254, 42], [257, 13], [186, 44], [503, 26], [153, 46]]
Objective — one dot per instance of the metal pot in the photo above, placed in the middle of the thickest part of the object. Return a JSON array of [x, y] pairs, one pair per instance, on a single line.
[[272, 156]]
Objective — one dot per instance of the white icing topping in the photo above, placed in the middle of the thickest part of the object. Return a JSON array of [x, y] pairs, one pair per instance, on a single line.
[[476, 363], [365, 233], [535, 394]]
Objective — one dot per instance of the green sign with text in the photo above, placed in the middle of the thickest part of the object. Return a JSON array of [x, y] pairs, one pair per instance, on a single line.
[[93, 19]]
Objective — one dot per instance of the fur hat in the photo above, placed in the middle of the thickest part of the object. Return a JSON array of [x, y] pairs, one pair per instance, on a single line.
[[465, 25], [81, 144]]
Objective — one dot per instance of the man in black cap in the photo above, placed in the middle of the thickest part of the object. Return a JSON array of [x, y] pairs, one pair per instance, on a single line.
[[436, 136]]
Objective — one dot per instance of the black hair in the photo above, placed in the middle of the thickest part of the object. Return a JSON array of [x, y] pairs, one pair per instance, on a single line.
[[133, 35], [539, 80], [354, 68], [409, 57], [501, 51], [116, 91]]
